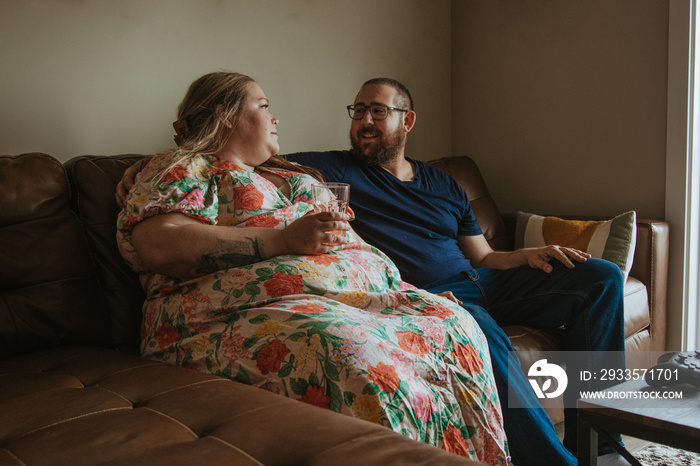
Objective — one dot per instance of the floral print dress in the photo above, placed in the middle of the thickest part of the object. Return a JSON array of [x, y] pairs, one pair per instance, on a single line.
[[338, 330]]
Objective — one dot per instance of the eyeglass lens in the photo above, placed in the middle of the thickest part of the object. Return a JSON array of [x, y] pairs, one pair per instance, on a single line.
[[378, 112]]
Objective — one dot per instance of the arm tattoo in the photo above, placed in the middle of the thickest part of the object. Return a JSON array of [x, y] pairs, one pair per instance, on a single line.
[[230, 254]]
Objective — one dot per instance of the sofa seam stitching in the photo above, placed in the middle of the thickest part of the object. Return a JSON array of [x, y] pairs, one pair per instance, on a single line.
[[12, 455], [230, 445], [183, 386], [74, 418], [172, 419]]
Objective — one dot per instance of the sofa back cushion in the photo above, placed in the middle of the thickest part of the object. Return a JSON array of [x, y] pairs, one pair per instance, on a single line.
[[93, 182], [48, 291]]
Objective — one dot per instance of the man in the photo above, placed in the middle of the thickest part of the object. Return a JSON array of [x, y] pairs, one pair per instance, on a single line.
[[421, 218]]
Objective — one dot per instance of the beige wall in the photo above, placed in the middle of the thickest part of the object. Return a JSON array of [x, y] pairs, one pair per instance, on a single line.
[[105, 77], [563, 103]]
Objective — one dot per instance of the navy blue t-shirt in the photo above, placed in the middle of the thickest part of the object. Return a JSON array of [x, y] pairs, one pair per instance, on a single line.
[[416, 223]]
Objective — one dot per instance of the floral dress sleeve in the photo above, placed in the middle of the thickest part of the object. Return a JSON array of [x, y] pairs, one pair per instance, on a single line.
[[189, 188]]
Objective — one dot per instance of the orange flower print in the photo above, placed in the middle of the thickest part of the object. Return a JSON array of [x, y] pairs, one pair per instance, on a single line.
[[316, 396], [270, 358], [247, 198], [221, 167], [166, 335], [412, 342], [308, 308], [385, 377], [287, 174], [262, 220], [468, 358], [437, 310], [129, 222], [324, 259], [281, 284], [454, 442], [177, 173]]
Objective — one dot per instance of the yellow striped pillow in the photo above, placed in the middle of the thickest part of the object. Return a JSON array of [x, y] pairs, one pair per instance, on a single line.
[[613, 240]]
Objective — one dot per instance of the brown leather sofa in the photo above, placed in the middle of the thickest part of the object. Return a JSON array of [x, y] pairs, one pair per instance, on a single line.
[[645, 289], [73, 390]]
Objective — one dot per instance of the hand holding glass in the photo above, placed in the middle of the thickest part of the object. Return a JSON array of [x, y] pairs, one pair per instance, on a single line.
[[331, 197]]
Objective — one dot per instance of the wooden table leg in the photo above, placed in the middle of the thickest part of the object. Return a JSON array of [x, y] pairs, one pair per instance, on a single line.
[[587, 442], [619, 448]]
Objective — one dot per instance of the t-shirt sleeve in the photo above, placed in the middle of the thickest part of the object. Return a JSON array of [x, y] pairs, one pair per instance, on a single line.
[[332, 165], [468, 224]]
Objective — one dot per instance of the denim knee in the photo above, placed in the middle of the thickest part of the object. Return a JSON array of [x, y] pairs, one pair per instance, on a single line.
[[607, 274], [602, 270]]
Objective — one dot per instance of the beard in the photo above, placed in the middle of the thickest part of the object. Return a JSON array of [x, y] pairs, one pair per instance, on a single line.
[[387, 148]]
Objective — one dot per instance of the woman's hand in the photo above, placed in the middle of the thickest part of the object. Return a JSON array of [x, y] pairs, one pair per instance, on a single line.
[[450, 296], [316, 233], [127, 181]]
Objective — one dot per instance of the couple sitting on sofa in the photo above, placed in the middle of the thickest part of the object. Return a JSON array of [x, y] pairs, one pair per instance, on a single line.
[[324, 317]]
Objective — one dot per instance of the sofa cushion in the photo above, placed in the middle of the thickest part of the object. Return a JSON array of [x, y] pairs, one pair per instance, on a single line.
[[87, 405], [637, 317], [93, 181], [48, 293], [613, 240]]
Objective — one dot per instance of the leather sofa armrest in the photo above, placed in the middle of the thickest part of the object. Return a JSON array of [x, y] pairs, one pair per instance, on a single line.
[[650, 266]]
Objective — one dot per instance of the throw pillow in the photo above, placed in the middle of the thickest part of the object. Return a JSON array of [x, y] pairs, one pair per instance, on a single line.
[[613, 240]]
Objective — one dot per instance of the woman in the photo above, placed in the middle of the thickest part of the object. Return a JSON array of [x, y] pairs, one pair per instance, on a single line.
[[246, 281]]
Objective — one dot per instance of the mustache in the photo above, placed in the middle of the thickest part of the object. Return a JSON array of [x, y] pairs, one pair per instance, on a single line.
[[369, 132]]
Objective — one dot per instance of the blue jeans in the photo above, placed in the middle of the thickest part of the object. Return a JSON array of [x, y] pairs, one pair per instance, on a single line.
[[587, 301]]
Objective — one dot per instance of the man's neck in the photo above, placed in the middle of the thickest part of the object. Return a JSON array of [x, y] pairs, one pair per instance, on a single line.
[[401, 168]]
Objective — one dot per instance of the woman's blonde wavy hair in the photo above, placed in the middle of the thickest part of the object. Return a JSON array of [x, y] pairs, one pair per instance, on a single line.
[[210, 101]]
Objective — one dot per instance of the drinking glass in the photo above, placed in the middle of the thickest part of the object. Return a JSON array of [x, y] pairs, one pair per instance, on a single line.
[[331, 197]]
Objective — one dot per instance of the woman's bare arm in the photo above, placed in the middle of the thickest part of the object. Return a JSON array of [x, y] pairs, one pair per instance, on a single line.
[[179, 246]]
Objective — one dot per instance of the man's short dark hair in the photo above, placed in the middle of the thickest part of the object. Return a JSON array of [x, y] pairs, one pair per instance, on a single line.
[[403, 93]]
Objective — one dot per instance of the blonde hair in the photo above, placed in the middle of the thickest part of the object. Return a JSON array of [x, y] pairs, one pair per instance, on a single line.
[[210, 101]]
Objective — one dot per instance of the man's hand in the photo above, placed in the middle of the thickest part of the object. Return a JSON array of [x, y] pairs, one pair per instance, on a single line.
[[479, 252], [127, 181], [538, 258]]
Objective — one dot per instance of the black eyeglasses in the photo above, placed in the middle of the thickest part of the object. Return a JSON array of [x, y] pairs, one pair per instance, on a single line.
[[378, 112]]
